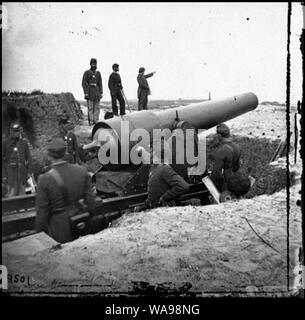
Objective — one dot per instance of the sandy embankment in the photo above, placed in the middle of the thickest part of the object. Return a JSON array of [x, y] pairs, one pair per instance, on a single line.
[[212, 248]]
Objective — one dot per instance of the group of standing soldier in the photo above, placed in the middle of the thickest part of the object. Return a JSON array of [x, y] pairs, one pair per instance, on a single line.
[[93, 90]]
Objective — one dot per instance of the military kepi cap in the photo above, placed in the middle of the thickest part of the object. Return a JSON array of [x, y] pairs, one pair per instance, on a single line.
[[141, 70], [93, 60], [223, 130], [115, 65], [57, 147], [15, 126]]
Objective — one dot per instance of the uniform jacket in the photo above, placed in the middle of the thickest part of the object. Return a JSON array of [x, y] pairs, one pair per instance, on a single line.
[[226, 161], [49, 199], [16, 154], [92, 84], [164, 182], [72, 148], [115, 82], [143, 84]]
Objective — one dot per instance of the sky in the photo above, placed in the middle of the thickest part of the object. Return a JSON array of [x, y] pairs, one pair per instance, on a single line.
[[195, 48]]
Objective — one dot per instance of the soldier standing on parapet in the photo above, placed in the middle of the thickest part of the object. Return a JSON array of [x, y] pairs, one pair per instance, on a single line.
[[93, 90], [143, 89], [17, 161], [115, 87]]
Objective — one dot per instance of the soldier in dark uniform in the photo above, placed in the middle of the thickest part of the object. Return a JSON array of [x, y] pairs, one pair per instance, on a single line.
[[17, 161], [143, 89], [226, 158], [164, 183], [65, 128], [93, 90], [115, 87], [51, 217]]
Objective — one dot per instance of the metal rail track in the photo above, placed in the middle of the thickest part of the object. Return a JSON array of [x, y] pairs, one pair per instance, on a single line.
[[18, 213]]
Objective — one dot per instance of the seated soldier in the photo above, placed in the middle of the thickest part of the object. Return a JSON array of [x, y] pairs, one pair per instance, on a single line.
[[164, 184], [239, 184]]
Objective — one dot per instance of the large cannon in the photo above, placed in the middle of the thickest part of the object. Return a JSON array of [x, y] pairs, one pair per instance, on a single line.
[[122, 187], [124, 178]]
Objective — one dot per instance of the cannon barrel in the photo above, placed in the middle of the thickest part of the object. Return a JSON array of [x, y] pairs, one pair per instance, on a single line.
[[203, 115]]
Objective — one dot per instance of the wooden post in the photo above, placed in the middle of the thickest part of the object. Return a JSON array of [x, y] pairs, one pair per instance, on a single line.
[[296, 133]]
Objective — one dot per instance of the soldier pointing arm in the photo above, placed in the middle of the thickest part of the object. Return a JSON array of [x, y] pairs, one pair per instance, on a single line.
[[143, 89]]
